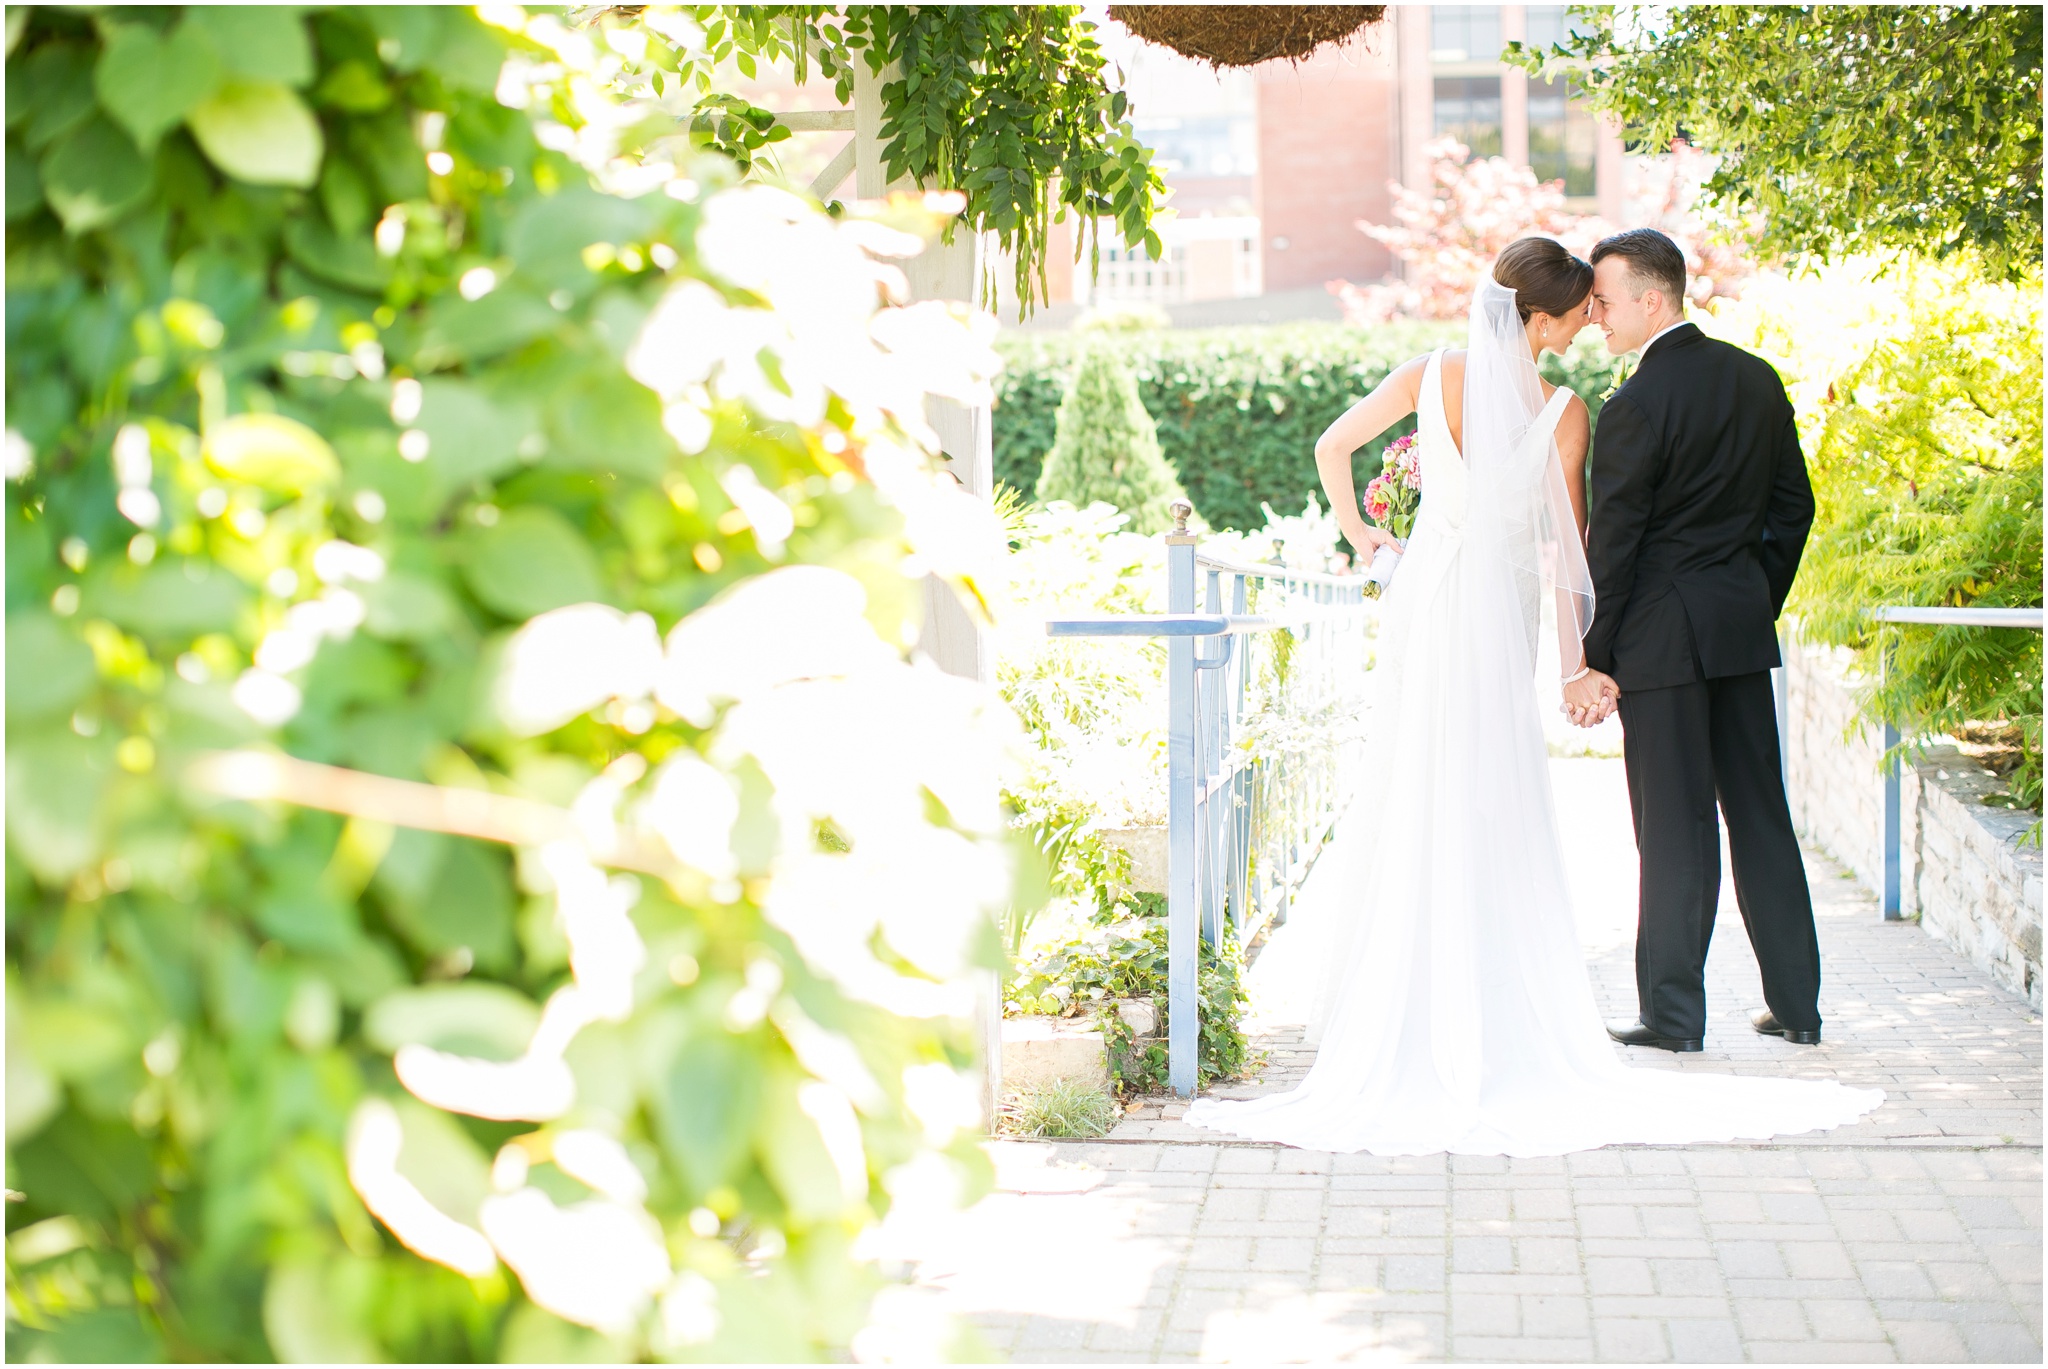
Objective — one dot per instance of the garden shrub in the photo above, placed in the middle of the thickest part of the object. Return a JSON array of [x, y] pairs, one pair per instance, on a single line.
[[1123, 955], [350, 417], [1238, 410], [1918, 394], [1105, 448]]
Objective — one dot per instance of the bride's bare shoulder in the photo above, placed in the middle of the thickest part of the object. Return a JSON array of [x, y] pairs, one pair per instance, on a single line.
[[1412, 369]]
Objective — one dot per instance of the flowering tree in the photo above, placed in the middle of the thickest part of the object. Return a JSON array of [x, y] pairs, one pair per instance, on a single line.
[[1447, 239]]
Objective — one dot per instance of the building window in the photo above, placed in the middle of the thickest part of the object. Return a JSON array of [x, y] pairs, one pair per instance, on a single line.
[[1465, 33], [1561, 135], [1202, 145], [1468, 108], [1544, 26]]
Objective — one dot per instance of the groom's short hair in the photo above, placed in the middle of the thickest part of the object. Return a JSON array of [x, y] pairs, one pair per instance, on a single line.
[[1654, 261]]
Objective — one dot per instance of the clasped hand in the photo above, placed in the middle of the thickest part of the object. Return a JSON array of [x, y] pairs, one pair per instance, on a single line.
[[1591, 699]]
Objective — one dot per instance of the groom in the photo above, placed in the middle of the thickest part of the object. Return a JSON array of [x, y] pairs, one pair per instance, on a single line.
[[1699, 509]]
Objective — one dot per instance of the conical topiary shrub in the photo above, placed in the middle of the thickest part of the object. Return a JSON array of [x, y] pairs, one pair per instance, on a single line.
[[1106, 447]]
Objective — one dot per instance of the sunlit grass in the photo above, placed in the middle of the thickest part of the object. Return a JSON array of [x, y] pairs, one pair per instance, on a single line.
[[1065, 1109]]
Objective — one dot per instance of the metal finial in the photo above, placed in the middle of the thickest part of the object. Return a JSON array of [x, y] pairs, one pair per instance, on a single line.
[[1182, 510]]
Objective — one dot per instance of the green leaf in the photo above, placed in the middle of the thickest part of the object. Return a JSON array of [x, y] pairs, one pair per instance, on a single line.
[[345, 197], [530, 562], [49, 93], [260, 132], [468, 906], [385, 147], [55, 779], [406, 607], [706, 1105], [24, 187], [449, 1168], [272, 451], [48, 668], [347, 260], [489, 1021], [257, 42], [306, 1323], [410, 35], [611, 423], [149, 82], [471, 54], [534, 1336], [169, 598], [302, 914], [33, 1097], [74, 1039], [477, 330], [94, 175], [794, 1154], [355, 87], [471, 435], [548, 236]]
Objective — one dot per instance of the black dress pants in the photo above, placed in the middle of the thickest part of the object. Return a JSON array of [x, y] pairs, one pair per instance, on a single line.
[[1688, 746]]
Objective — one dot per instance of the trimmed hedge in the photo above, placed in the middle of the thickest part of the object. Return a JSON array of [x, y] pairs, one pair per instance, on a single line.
[[1239, 409]]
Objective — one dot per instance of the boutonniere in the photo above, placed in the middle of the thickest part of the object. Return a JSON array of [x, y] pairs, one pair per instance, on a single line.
[[1628, 368]]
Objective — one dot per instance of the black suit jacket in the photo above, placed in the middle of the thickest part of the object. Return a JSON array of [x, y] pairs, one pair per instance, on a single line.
[[1699, 508]]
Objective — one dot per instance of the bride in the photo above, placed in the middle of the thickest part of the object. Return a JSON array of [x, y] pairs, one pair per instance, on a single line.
[[1448, 998]]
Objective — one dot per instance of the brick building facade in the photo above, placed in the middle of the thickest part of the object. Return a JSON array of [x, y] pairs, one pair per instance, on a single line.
[[1295, 155]]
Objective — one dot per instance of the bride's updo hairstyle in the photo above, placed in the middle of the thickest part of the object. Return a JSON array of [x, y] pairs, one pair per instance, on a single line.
[[1546, 279]]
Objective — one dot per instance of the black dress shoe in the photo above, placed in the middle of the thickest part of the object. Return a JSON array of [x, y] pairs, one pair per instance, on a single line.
[[1769, 1026], [1636, 1034]]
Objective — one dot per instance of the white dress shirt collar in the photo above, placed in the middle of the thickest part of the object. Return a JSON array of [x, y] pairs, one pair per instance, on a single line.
[[1669, 327]]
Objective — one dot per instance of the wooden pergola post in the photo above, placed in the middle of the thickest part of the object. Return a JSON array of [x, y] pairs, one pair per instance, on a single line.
[[951, 637]]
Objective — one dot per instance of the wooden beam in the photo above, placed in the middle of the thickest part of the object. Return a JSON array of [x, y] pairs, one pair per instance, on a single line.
[[835, 173]]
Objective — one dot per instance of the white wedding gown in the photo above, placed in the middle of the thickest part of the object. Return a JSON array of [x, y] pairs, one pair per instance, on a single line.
[[1454, 1007]]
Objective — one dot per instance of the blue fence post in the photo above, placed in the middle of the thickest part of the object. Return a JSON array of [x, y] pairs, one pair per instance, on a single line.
[[1894, 905], [1182, 1016]]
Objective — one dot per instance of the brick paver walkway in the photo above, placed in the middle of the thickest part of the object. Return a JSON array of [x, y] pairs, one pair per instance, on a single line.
[[1914, 1236]]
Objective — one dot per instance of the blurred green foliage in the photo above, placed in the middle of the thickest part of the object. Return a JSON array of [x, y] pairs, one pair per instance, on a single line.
[[1238, 409], [1927, 469], [1846, 128], [288, 290]]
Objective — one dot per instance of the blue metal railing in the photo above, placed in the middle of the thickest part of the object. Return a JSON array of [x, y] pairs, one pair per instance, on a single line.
[[1244, 824]]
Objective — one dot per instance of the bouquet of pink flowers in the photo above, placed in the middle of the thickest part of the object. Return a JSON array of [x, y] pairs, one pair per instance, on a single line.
[[1393, 496]]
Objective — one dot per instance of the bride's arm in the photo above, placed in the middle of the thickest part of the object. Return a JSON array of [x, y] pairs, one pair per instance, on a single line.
[[1574, 435], [1387, 405]]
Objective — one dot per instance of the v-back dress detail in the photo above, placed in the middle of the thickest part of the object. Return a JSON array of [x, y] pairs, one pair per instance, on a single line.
[[1450, 1002]]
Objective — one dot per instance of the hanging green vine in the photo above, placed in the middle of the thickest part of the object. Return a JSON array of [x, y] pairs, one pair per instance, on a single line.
[[1012, 106]]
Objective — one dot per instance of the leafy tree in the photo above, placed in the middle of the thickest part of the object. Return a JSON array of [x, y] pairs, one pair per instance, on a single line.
[[1848, 127], [1919, 400], [1105, 447], [372, 420]]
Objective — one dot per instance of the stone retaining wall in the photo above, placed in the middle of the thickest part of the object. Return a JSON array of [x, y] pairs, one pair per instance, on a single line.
[[1963, 872]]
